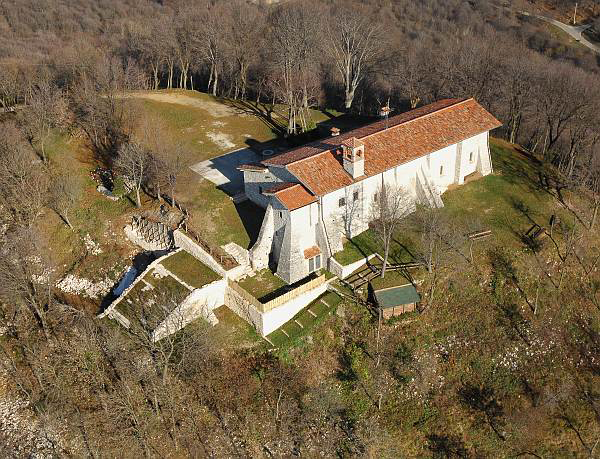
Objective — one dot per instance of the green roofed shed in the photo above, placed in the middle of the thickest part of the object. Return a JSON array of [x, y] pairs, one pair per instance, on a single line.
[[394, 301]]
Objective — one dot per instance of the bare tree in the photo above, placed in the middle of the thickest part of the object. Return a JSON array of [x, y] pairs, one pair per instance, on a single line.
[[245, 31], [45, 110], [134, 161], [65, 192], [26, 276], [355, 41], [389, 207], [23, 185], [211, 40], [295, 36]]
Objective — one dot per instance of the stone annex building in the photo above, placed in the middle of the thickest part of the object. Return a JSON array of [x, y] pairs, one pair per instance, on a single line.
[[321, 193]]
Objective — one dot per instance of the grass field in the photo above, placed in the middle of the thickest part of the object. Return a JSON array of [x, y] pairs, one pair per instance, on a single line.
[[209, 126], [262, 285], [189, 269], [305, 321], [507, 202]]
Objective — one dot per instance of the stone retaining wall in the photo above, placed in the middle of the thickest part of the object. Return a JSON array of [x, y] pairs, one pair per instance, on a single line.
[[343, 271], [199, 303]]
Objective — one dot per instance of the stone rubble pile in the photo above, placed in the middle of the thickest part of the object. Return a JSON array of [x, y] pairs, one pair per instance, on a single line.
[[155, 234]]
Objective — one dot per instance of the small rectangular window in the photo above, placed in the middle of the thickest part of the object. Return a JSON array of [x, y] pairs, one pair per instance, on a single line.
[[441, 170], [342, 202], [355, 196], [314, 263], [471, 157]]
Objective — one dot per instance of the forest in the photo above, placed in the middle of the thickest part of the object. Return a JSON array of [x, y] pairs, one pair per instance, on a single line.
[[503, 360]]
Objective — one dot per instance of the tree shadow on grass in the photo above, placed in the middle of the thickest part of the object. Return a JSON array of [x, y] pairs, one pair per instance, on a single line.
[[447, 446], [483, 401]]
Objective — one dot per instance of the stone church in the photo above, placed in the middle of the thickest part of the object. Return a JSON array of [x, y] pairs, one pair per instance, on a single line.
[[310, 192]]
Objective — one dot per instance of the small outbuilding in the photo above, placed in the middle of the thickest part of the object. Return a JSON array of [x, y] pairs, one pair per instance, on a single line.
[[394, 301]]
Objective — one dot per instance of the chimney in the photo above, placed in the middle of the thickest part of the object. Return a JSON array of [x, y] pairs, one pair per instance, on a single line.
[[335, 131]]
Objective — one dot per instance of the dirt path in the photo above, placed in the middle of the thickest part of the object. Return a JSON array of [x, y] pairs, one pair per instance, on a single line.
[[215, 109]]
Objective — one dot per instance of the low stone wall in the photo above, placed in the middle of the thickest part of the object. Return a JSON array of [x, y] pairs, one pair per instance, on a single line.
[[276, 317], [343, 271], [199, 303], [251, 310], [108, 312], [244, 305], [189, 245]]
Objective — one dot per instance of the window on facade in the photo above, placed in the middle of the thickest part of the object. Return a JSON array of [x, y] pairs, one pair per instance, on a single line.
[[441, 170], [342, 202], [471, 157], [355, 196], [314, 263]]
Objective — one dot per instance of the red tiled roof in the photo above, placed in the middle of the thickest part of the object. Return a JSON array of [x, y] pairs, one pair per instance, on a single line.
[[352, 142], [310, 149], [312, 252], [291, 195], [408, 136], [252, 167], [277, 187]]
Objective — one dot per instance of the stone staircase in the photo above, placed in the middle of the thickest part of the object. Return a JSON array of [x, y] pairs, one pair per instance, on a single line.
[[239, 254]]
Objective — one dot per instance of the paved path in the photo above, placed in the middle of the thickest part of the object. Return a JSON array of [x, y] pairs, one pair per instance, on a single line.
[[222, 170], [574, 31]]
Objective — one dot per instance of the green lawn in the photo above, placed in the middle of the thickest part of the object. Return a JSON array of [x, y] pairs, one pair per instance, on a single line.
[[141, 301], [262, 285], [189, 269], [321, 308], [391, 279], [208, 126], [507, 202], [216, 218], [358, 248]]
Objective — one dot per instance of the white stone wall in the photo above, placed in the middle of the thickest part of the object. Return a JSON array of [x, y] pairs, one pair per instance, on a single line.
[[275, 318], [185, 242], [244, 309], [201, 302], [343, 271]]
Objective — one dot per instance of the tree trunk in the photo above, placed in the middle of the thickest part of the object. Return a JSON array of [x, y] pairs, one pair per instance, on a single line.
[[214, 83], [595, 214], [137, 194], [385, 257]]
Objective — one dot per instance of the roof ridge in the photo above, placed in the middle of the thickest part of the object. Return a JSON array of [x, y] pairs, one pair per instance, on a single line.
[[457, 102]]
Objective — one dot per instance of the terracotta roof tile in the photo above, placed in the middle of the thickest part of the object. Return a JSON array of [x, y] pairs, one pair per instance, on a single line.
[[291, 195], [352, 142], [310, 149], [252, 167], [312, 252], [418, 133], [277, 187]]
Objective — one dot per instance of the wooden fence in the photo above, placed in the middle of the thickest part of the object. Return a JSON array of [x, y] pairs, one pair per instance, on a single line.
[[276, 302]]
